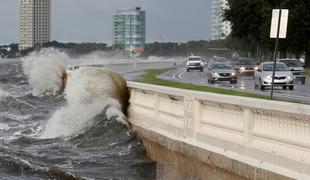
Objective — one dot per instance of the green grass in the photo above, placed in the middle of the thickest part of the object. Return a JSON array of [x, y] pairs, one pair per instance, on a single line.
[[151, 78], [307, 71]]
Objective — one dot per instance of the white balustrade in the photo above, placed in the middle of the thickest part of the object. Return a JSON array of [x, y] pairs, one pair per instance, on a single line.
[[268, 134]]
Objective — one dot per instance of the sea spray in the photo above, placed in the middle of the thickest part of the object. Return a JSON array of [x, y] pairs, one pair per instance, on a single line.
[[89, 93], [45, 71], [73, 118]]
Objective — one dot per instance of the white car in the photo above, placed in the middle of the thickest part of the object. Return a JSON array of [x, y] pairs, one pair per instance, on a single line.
[[194, 62], [283, 77]]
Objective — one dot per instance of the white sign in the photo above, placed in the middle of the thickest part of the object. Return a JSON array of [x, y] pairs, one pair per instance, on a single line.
[[275, 22]]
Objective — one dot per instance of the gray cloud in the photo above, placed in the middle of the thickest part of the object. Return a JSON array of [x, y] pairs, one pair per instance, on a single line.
[[91, 20]]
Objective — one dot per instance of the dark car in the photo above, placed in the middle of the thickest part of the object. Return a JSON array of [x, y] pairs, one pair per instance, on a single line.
[[247, 66], [221, 59], [296, 67]]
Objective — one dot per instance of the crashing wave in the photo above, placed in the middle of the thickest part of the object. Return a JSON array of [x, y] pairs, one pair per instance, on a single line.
[[45, 71], [89, 91]]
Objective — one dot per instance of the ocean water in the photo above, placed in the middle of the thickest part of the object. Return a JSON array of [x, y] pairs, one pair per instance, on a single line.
[[79, 132]]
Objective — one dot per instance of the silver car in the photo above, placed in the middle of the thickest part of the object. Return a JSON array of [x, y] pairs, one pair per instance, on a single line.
[[221, 72], [296, 68], [283, 77]]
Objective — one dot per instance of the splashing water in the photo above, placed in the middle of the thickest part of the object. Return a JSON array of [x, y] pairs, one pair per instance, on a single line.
[[89, 143], [89, 92], [45, 70]]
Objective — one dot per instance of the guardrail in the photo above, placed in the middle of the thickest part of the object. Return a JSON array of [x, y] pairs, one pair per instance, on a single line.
[[266, 134]]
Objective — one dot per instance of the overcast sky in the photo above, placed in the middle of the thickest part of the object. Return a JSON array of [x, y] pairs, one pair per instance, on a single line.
[[91, 20]]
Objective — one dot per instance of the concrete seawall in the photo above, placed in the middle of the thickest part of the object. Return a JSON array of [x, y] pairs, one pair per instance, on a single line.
[[177, 160], [196, 135]]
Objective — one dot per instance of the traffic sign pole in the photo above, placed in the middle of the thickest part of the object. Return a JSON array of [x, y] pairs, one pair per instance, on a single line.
[[278, 30], [275, 55]]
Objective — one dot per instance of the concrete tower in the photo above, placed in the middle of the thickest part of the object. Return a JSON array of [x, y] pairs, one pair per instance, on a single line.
[[219, 28], [129, 29], [34, 23]]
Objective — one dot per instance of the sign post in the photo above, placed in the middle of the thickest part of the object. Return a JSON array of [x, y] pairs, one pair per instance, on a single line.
[[278, 30]]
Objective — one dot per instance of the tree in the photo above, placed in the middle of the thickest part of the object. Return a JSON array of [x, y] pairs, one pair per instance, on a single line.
[[299, 27], [251, 21], [246, 18]]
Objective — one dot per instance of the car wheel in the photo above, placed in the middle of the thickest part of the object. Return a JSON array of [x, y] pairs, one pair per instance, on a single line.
[[291, 88], [201, 69], [262, 87], [303, 81], [187, 70], [284, 87], [212, 81], [238, 75], [233, 81], [255, 86]]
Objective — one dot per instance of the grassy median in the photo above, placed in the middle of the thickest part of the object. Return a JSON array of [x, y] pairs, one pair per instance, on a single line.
[[151, 78], [307, 72]]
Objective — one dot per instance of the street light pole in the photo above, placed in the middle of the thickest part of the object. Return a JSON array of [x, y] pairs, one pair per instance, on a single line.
[[187, 49]]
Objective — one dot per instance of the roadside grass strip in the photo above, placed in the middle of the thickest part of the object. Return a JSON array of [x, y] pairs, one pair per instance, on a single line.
[[151, 78], [307, 72]]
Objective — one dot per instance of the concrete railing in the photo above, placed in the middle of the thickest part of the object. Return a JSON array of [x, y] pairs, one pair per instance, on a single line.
[[266, 134]]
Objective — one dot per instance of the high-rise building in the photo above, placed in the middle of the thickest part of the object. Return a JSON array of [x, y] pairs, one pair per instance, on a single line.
[[129, 30], [34, 23], [219, 28]]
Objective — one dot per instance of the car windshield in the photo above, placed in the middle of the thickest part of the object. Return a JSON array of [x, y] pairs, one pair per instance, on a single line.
[[194, 59], [221, 59], [247, 62], [221, 66], [292, 63], [279, 67]]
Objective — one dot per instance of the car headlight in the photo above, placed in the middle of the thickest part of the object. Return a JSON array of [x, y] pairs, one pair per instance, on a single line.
[[256, 68], [216, 74], [290, 77], [242, 68], [268, 78], [233, 74]]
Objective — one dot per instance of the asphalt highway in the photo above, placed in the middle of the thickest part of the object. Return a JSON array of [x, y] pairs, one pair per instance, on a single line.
[[301, 93]]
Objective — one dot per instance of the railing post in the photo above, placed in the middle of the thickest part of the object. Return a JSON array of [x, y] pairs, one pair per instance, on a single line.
[[248, 125], [197, 116], [189, 110], [156, 108], [132, 99]]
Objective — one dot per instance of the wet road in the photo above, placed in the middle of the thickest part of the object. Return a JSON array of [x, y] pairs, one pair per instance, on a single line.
[[300, 93], [131, 72]]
